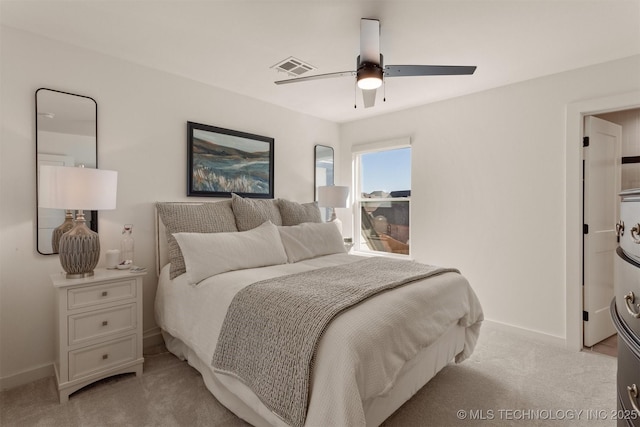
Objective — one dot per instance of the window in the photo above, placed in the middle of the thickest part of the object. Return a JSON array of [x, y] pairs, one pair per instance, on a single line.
[[382, 183]]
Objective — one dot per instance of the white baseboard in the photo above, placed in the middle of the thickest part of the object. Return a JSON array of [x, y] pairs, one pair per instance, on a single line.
[[150, 338], [26, 377], [538, 336]]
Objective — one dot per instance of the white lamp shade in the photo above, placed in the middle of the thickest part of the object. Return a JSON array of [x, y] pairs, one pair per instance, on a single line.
[[333, 196], [62, 187]]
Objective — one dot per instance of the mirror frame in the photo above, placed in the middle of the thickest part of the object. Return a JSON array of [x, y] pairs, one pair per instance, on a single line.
[[92, 216], [318, 149], [316, 161]]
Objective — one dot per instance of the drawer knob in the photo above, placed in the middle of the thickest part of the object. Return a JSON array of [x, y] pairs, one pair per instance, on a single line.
[[635, 231], [632, 390], [629, 299], [105, 322], [105, 293], [106, 356]]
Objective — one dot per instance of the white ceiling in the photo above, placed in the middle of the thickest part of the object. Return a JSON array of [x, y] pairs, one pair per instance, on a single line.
[[233, 44]]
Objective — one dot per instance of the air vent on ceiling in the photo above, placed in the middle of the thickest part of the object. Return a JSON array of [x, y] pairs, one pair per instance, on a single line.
[[293, 66]]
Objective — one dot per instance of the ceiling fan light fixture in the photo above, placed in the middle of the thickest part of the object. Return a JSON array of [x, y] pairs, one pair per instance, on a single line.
[[370, 70], [369, 76]]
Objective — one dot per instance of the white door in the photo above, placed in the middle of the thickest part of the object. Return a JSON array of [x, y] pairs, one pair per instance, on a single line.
[[602, 159]]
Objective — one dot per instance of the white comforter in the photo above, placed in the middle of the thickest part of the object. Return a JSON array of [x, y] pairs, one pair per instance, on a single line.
[[362, 350]]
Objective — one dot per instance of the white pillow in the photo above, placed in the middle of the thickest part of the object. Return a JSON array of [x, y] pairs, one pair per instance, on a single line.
[[310, 240], [208, 254]]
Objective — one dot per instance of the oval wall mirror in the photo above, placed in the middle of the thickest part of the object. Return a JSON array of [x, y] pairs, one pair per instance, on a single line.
[[66, 135], [324, 171]]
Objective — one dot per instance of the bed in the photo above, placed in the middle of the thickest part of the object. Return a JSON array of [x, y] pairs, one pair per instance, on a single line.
[[369, 359]]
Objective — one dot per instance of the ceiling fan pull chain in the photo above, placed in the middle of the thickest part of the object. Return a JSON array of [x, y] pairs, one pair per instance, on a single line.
[[384, 91], [355, 94]]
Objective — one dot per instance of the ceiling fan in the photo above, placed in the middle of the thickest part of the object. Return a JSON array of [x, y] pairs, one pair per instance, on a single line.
[[370, 70]]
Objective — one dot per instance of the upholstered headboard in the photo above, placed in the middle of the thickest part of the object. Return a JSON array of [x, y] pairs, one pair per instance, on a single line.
[[162, 255]]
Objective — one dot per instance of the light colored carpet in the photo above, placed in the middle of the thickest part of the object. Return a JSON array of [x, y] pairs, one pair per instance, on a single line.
[[509, 380]]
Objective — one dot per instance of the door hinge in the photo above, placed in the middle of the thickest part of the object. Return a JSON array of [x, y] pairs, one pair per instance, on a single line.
[[585, 228], [585, 316], [585, 141]]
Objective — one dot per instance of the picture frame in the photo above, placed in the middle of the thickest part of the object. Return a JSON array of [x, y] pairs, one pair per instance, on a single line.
[[224, 161]]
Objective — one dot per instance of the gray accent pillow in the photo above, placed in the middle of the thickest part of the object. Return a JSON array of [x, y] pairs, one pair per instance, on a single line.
[[214, 217], [251, 213], [310, 240], [294, 213]]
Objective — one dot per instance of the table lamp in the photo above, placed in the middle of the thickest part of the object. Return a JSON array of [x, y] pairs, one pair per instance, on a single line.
[[78, 188], [333, 196], [61, 229]]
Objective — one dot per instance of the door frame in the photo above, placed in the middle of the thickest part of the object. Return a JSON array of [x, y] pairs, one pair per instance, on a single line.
[[575, 114]]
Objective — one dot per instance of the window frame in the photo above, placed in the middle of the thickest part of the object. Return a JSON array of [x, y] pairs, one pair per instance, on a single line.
[[360, 246]]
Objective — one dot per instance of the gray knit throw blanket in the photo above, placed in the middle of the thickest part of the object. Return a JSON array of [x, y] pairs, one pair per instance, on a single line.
[[270, 334]]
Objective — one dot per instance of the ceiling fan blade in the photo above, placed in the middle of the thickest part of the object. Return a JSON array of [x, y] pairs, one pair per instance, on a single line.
[[427, 70], [370, 41], [369, 97], [316, 77]]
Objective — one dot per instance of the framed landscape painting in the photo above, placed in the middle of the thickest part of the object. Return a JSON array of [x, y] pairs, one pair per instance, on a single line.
[[223, 161]]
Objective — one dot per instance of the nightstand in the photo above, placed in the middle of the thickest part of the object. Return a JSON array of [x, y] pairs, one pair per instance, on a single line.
[[98, 327]]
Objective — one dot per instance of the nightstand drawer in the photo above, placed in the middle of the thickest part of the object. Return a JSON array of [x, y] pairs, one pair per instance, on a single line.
[[90, 360], [109, 292], [87, 326]]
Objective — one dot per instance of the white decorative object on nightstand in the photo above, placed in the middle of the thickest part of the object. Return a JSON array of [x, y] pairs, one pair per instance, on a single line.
[[99, 327]]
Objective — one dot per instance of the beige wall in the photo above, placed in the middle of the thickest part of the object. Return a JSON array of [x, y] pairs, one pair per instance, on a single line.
[[142, 115], [490, 189]]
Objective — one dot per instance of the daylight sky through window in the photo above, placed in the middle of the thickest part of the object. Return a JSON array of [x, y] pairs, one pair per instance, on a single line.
[[386, 171]]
